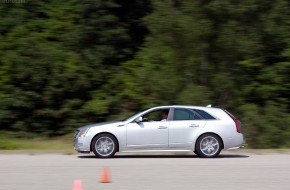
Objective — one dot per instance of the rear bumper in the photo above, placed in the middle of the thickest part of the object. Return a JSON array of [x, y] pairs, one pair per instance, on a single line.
[[235, 142], [237, 147]]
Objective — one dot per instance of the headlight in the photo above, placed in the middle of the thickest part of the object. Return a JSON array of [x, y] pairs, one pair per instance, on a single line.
[[83, 132]]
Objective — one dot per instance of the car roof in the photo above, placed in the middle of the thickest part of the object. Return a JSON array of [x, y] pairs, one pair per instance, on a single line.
[[182, 106]]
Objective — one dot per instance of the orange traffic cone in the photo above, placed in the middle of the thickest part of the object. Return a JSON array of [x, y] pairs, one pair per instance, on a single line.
[[105, 178], [77, 185]]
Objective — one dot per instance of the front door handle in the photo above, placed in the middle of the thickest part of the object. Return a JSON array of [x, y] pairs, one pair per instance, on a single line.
[[194, 125], [162, 127]]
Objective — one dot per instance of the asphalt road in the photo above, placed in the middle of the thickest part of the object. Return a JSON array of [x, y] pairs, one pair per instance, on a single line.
[[232, 170]]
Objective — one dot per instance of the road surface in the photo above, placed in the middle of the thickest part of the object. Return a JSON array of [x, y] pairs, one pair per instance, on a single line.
[[232, 170]]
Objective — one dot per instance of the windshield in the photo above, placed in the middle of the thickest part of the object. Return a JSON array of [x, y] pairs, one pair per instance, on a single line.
[[129, 118]]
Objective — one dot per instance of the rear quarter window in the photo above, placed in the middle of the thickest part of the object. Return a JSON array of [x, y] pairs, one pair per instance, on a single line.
[[204, 114]]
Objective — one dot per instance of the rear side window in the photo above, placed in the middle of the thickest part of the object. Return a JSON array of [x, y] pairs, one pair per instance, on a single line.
[[204, 114], [185, 114]]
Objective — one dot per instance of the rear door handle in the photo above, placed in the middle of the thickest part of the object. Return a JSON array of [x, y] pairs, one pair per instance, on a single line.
[[194, 125], [162, 127]]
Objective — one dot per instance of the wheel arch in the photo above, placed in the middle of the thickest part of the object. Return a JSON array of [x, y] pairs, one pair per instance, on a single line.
[[102, 133], [209, 133]]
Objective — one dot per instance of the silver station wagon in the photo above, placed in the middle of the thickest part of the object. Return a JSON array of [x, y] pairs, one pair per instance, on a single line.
[[203, 130]]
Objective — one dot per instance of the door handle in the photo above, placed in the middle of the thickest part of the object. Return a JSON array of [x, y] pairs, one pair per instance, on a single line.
[[194, 125], [162, 127]]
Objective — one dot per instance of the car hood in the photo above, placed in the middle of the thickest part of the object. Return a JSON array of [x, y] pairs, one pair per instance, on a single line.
[[108, 123]]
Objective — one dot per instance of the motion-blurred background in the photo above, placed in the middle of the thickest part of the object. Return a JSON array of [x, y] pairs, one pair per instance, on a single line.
[[64, 64]]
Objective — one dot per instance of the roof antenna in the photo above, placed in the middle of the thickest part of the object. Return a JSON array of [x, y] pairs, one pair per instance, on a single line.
[[209, 106]]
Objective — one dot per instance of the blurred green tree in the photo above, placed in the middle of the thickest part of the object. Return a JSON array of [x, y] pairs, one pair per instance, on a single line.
[[226, 53], [56, 61], [64, 64]]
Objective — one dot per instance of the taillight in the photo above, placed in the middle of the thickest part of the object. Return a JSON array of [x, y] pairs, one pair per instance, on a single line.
[[236, 122]]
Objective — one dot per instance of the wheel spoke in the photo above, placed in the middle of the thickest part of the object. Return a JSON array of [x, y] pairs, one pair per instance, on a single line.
[[216, 144]]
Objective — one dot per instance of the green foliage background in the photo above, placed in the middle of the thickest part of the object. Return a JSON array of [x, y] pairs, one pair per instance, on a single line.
[[67, 64]]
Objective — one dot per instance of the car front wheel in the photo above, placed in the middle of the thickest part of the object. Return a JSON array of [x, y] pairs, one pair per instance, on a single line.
[[104, 146], [208, 146]]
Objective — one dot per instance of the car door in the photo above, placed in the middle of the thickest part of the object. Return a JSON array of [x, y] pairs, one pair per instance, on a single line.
[[151, 133], [183, 128]]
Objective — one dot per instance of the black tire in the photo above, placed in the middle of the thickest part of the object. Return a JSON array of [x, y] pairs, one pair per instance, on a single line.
[[104, 146], [208, 146]]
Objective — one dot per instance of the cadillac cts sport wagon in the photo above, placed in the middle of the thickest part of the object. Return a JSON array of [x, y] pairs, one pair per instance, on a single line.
[[203, 130]]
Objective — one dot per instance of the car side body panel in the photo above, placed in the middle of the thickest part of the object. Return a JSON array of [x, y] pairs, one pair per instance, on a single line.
[[182, 134], [146, 135]]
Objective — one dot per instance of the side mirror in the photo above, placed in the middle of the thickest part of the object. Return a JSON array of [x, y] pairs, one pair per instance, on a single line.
[[139, 119]]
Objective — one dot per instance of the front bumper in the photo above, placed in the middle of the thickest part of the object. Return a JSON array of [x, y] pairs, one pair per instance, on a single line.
[[81, 144]]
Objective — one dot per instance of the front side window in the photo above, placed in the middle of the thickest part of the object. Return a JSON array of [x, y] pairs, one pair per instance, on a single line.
[[157, 115], [185, 114]]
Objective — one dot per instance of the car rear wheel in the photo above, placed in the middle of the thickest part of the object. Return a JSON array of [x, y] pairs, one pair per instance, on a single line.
[[208, 146], [104, 146]]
